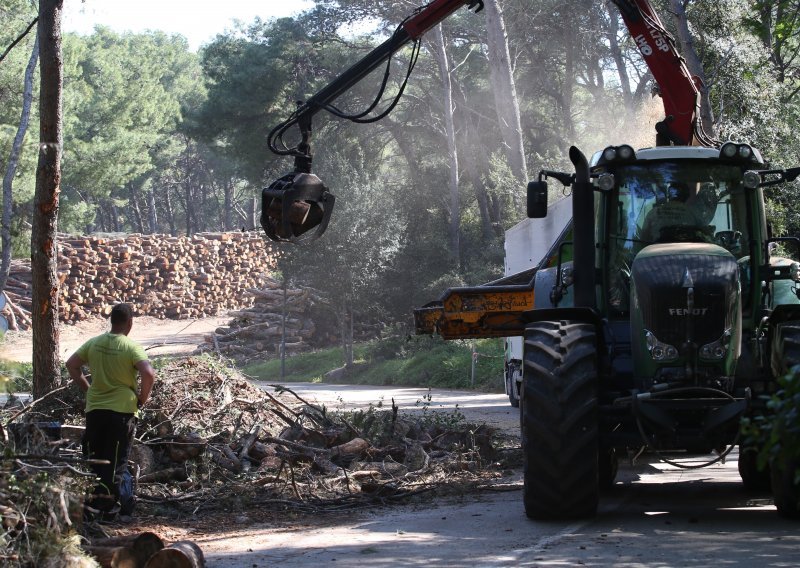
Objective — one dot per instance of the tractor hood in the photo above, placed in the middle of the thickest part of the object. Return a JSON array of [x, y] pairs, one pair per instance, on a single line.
[[686, 305]]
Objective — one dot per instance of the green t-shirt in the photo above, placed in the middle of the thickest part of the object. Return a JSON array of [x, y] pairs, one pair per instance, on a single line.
[[112, 359]]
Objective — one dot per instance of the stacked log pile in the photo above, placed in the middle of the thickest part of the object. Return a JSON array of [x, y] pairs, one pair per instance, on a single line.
[[258, 330], [161, 275]]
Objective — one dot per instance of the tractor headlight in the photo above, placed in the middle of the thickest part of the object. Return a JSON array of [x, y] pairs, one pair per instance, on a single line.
[[751, 179], [615, 153], [733, 151], [659, 351], [716, 350], [625, 152], [606, 182], [729, 150]]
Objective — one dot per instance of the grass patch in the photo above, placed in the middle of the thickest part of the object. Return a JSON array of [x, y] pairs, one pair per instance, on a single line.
[[15, 377], [402, 361]]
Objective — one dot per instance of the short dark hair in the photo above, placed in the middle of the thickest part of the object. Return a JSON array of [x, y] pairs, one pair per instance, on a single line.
[[121, 314]]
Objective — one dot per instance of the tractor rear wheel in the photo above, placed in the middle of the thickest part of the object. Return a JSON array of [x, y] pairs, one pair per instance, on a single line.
[[786, 350], [559, 420], [785, 356], [754, 479]]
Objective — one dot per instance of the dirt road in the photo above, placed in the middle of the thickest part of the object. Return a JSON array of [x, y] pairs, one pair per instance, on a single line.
[[159, 337], [655, 515]]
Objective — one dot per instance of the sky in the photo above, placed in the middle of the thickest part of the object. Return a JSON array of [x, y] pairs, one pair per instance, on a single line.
[[197, 20]]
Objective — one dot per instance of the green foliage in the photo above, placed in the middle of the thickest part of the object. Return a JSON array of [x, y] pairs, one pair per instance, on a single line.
[[15, 377], [777, 432], [402, 361], [303, 367]]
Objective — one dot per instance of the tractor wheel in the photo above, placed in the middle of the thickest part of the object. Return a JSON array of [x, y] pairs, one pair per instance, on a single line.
[[785, 356], [559, 420], [754, 479], [608, 464], [786, 351], [512, 374], [785, 492]]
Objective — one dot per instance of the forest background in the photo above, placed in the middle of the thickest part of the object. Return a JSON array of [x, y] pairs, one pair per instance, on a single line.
[[161, 139]]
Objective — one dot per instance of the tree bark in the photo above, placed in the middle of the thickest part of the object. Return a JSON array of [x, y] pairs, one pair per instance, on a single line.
[[443, 62], [227, 220], [152, 216], [687, 49], [504, 90], [137, 210], [619, 60], [44, 312], [13, 160], [170, 213]]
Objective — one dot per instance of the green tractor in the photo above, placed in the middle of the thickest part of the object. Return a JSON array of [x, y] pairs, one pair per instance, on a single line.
[[663, 318]]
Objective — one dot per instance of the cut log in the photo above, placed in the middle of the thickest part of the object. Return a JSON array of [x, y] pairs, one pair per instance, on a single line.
[[182, 554], [132, 551]]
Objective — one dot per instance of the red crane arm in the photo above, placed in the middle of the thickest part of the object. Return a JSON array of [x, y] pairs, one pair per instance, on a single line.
[[677, 86]]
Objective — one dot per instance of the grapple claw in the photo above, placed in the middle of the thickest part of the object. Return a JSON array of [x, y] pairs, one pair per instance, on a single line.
[[295, 204]]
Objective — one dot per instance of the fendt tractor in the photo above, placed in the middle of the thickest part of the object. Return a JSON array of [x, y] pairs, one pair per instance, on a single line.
[[658, 318]]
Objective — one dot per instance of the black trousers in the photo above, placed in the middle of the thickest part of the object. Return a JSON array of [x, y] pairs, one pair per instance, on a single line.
[[109, 436]]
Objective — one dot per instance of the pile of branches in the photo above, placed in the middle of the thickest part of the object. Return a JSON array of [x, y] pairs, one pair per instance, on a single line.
[[42, 479], [209, 439], [209, 436]]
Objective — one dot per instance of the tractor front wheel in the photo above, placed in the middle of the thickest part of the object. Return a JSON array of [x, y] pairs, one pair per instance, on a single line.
[[559, 420]]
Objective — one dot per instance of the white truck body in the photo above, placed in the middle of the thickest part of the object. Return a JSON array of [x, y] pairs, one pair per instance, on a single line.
[[526, 244]]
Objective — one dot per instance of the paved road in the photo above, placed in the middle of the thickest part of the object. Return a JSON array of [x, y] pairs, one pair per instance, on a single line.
[[655, 516]]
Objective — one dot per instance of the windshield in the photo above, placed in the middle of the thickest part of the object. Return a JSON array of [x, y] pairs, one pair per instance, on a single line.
[[686, 201]]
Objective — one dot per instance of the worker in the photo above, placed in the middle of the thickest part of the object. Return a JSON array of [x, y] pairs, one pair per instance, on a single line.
[[112, 404], [681, 217]]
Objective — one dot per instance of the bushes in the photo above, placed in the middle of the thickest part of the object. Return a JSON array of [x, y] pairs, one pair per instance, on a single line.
[[398, 360]]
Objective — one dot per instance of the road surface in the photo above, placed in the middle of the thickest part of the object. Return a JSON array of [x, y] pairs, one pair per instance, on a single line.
[[655, 516]]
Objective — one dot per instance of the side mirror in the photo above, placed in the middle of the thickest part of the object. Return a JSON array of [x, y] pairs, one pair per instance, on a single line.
[[537, 199]]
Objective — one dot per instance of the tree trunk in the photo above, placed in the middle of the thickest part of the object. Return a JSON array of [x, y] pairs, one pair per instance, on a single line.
[[170, 212], [440, 54], [13, 160], [253, 213], [137, 210], [619, 60], [227, 220], [44, 312], [504, 90], [152, 216], [686, 45], [189, 220]]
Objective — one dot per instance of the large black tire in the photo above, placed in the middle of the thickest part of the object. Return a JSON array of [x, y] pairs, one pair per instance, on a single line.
[[511, 380], [754, 479], [559, 421], [785, 492], [608, 465], [785, 356], [786, 348]]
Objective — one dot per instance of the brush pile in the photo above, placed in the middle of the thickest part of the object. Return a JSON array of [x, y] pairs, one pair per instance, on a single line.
[[209, 436], [209, 440]]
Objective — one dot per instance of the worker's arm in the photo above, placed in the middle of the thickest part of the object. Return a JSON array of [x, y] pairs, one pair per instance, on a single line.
[[74, 367], [148, 376]]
